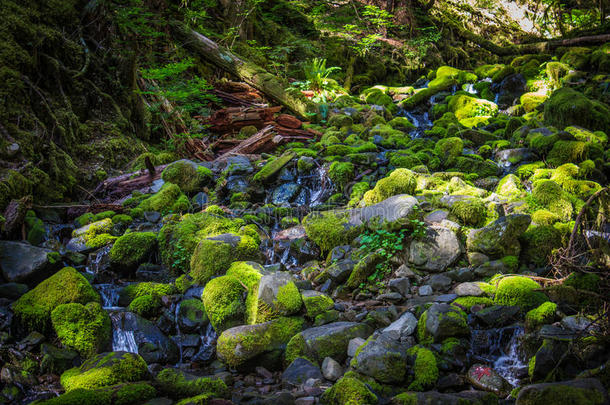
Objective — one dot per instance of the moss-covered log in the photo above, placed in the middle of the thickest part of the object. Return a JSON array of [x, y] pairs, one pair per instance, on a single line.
[[271, 85]]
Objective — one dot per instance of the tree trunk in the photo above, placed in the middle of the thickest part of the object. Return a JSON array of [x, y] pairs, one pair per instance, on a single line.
[[269, 84]]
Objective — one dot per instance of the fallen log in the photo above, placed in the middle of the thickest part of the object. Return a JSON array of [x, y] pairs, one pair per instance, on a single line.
[[232, 119], [253, 144], [126, 183], [254, 75]]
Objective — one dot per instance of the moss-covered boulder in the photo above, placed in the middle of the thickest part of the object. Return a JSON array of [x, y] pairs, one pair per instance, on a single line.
[[517, 290], [442, 321], [187, 175], [33, 309], [104, 370], [177, 384], [570, 107], [273, 167], [500, 238], [148, 288], [329, 229], [214, 255], [84, 328], [586, 391], [382, 358], [132, 249], [341, 173], [470, 211], [240, 344], [400, 181], [169, 199], [91, 236], [471, 111], [329, 340], [349, 390], [224, 302], [316, 303], [425, 369], [279, 294], [447, 149], [543, 314], [123, 394]]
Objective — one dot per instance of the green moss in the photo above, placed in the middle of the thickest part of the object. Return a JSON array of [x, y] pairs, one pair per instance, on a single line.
[[80, 396], [213, 257], [104, 370], [249, 273], [465, 107], [168, 199], [545, 217], [406, 398], [174, 384], [543, 314], [349, 391], [400, 181], [341, 173], [146, 305], [425, 369], [288, 299], [401, 123], [423, 336], [33, 309], [448, 149], [132, 394], [328, 229], [558, 394], [469, 301], [317, 304], [584, 281], [470, 211], [539, 243], [223, 299], [517, 290], [84, 219], [84, 328], [549, 194], [122, 219], [272, 168], [569, 107], [133, 291], [186, 175], [132, 249], [35, 232], [234, 349], [183, 283]]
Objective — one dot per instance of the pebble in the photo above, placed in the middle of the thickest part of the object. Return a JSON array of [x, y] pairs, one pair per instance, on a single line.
[[425, 290]]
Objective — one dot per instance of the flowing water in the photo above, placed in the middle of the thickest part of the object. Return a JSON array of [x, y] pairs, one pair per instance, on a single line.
[[122, 340]]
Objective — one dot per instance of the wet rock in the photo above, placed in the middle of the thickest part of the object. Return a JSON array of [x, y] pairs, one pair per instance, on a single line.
[[24, 263], [11, 375], [56, 360], [299, 371], [439, 249], [487, 379], [382, 358], [440, 282], [579, 323], [586, 390], [402, 328], [442, 321], [31, 341], [285, 193], [337, 272], [353, 345], [547, 358], [12, 291], [509, 89], [394, 212], [500, 238], [191, 315], [80, 236], [237, 165], [498, 315], [468, 289], [513, 157], [400, 285], [278, 291], [433, 397], [331, 370]]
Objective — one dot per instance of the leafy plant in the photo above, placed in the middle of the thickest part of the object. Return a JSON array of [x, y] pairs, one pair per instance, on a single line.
[[317, 79], [377, 17]]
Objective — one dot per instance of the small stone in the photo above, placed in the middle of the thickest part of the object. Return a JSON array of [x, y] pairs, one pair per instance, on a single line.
[[353, 345], [405, 271], [299, 371], [468, 289], [402, 327], [425, 290], [331, 370], [447, 298], [152, 216], [400, 285], [305, 401], [440, 282], [391, 297]]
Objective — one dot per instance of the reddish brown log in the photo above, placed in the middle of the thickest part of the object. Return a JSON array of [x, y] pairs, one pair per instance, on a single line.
[[288, 121]]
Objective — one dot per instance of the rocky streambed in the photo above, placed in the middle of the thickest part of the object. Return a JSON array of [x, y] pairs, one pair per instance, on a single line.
[[402, 258]]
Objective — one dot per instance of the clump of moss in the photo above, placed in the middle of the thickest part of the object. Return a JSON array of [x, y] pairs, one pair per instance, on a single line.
[[136, 290], [470, 211], [273, 167], [223, 299], [104, 370], [34, 226], [316, 304], [328, 229], [33, 309], [84, 328], [471, 111], [146, 305], [169, 199], [425, 369], [176, 385], [448, 149], [341, 173], [549, 194], [132, 394], [470, 301], [187, 175], [80, 396], [349, 391], [539, 243], [567, 106], [183, 283], [543, 314], [288, 299], [400, 181], [518, 290], [132, 249]]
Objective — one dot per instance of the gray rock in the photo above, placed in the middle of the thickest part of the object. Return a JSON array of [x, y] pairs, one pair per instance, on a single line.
[[337, 272], [443, 321], [570, 392], [401, 328], [400, 285], [468, 289], [285, 193], [439, 249], [550, 354], [487, 379], [269, 287], [24, 263], [476, 258], [493, 267], [331, 370], [436, 216], [331, 340], [406, 272], [470, 397], [12, 291], [511, 157], [299, 371], [498, 315], [382, 358], [425, 290], [446, 298], [500, 238], [440, 282], [393, 212], [238, 165], [579, 323], [305, 401], [353, 345], [390, 296]]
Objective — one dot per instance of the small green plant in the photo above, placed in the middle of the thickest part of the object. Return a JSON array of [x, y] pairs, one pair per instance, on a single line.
[[317, 79], [385, 244], [377, 17]]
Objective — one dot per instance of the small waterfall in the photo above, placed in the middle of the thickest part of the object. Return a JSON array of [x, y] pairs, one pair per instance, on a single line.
[[208, 346], [109, 294], [469, 87], [97, 262], [178, 333], [509, 364], [122, 340]]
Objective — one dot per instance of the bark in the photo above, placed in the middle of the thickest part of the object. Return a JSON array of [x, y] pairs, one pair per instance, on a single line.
[[270, 85]]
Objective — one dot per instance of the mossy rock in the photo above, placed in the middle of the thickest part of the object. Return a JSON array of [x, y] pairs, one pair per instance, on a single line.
[[84, 328], [539, 243], [470, 211], [425, 369], [169, 199], [541, 315], [240, 344], [132, 249], [570, 107], [273, 167], [104, 370], [341, 173], [214, 255], [33, 309], [223, 299], [177, 384], [581, 391], [349, 391], [466, 107], [448, 149], [329, 229], [517, 290], [316, 303], [187, 175], [400, 181], [147, 305], [120, 394]]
